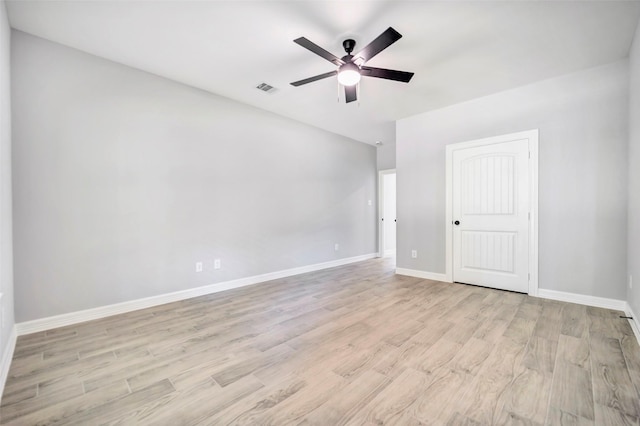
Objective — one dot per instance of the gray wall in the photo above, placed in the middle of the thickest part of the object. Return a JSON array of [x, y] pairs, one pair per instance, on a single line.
[[6, 247], [387, 156], [633, 295], [582, 118], [123, 180]]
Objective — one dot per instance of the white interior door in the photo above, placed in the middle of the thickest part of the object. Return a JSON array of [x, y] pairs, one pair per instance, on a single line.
[[491, 215], [389, 214]]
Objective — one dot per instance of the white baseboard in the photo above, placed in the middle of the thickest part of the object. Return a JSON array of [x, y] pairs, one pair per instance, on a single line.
[[7, 356], [71, 318], [422, 274], [581, 299], [634, 322]]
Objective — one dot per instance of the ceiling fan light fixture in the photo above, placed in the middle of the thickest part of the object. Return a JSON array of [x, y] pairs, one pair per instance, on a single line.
[[349, 74]]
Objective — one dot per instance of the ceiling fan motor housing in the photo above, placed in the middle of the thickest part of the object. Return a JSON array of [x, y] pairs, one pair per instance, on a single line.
[[349, 44]]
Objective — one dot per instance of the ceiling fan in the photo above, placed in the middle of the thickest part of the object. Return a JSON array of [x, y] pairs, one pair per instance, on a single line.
[[351, 67]]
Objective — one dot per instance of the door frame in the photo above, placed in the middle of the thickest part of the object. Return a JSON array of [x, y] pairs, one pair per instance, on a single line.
[[532, 136], [381, 175]]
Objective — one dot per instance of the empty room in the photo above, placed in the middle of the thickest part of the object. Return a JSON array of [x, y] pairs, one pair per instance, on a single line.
[[319, 212]]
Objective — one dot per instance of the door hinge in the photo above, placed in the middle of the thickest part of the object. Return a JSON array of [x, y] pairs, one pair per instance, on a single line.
[[529, 154], [529, 215], [529, 277]]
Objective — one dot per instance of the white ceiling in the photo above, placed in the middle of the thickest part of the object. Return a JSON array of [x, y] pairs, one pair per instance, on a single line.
[[458, 50]]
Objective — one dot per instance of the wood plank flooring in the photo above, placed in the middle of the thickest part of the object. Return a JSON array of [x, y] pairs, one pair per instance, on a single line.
[[347, 346]]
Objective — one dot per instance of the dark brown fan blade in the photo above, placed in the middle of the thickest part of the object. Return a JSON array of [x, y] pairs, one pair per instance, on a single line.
[[383, 41], [350, 93], [307, 44], [315, 78], [402, 76]]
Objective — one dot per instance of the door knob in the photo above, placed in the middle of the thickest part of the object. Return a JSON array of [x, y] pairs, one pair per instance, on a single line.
[[457, 222]]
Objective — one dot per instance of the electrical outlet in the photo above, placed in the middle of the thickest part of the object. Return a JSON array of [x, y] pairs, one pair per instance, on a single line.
[[198, 266], [216, 264], [369, 202], [630, 281], [414, 254]]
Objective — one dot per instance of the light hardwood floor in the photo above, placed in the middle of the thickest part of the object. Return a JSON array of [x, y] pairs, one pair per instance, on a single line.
[[350, 345]]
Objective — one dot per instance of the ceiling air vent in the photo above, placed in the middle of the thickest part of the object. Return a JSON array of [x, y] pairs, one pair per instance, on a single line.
[[265, 87]]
